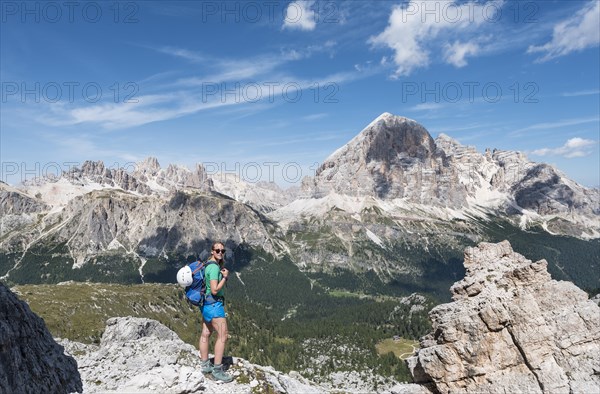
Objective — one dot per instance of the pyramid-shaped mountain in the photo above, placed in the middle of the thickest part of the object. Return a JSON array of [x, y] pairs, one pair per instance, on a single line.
[[396, 158]]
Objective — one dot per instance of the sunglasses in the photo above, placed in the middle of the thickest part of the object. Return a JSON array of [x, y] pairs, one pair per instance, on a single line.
[[219, 250]]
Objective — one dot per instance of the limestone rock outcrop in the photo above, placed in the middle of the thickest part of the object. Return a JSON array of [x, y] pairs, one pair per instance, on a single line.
[[511, 328], [142, 355], [137, 354], [30, 359]]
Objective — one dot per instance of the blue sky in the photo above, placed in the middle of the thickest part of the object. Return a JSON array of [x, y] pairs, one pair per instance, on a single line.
[[269, 89]]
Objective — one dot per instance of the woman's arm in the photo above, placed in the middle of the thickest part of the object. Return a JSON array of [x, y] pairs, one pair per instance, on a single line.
[[215, 285]]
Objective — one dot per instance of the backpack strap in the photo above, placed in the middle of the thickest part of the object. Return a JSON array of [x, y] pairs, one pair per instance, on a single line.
[[209, 296], [198, 267]]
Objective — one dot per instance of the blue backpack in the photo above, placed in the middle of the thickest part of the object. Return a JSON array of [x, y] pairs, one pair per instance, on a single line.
[[196, 292]]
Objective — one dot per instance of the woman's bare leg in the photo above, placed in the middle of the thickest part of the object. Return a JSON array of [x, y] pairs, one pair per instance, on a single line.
[[207, 329], [220, 326]]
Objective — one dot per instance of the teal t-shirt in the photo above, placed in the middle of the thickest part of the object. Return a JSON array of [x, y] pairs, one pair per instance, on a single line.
[[213, 272]]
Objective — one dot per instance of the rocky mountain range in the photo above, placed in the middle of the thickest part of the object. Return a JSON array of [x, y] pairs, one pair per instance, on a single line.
[[392, 192]]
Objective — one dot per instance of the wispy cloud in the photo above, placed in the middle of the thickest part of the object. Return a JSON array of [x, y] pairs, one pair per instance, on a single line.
[[90, 147], [183, 53], [553, 125], [574, 147], [147, 109], [456, 53], [193, 99], [592, 92], [239, 69], [427, 106], [300, 15], [315, 116], [573, 34], [241, 82], [412, 32]]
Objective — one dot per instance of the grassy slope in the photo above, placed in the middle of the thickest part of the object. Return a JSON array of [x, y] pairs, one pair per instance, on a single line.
[[78, 311], [402, 348]]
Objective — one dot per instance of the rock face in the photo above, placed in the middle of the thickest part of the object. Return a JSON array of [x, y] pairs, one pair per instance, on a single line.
[[142, 355], [511, 328], [17, 210], [115, 222], [393, 157], [183, 222], [30, 360]]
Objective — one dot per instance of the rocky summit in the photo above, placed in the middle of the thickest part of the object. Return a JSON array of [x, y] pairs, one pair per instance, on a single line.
[[30, 360], [511, 328], [393, 157]]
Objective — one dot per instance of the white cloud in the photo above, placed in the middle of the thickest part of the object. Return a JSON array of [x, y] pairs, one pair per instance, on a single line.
[[574, 34], [182, 53], [300, 15], [315, 116], [413, 28], [574, 147], [591, 92], [553, 125], [230, 69], [146, 109], [171, 105], [427, 107], [455, 54]]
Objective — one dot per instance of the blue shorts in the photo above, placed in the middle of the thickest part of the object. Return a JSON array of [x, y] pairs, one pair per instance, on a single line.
[[210, 311]]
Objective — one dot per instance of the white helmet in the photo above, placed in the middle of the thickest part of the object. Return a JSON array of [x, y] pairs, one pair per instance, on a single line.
[[184, 276]]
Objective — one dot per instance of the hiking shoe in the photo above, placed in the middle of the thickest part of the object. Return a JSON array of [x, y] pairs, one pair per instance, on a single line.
[[220, 375], [206, 366]]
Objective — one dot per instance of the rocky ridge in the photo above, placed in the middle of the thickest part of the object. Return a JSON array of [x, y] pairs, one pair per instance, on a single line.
[[119, 222], [134, 355], [511, 328]]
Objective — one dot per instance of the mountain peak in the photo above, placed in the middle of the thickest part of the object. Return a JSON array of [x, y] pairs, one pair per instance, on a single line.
[[375, 162], [149, 166], [388, 118], [388, 115], [382, 130]]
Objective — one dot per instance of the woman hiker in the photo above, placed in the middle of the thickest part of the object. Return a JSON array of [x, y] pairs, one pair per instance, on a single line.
[[213, 314]]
